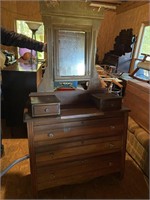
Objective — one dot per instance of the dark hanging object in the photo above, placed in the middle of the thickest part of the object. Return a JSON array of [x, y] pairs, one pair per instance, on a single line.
[[123, 42], [121, 55]]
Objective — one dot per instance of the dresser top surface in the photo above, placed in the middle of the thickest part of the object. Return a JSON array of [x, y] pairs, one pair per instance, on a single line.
[[21, 67], [77, 112]]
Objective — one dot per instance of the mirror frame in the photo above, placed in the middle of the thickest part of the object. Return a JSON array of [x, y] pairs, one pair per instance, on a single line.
[[78, 15]]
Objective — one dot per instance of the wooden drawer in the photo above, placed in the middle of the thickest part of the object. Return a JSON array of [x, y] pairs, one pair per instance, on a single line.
[[53, 133], [49, 154], [45, 105], [45, 110], [107, 102], [77, 171]]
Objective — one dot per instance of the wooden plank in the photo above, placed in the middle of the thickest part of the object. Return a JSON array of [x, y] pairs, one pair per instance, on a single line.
[[138, 101], [129, 5]]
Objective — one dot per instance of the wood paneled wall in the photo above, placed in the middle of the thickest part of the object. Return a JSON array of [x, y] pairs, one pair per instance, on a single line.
[[21, 10], [18, 10], [113, 23]]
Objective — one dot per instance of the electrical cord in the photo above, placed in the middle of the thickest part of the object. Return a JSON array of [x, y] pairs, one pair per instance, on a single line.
[[12, 164]]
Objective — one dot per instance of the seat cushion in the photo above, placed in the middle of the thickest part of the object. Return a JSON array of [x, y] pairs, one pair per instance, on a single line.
[[143, 137], [138, 153], [132, 125]]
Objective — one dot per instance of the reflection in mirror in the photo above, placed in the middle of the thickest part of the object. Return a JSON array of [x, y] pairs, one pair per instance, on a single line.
[[71, 53]]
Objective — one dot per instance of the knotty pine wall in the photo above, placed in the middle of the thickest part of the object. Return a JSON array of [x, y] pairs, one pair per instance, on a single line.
[[18, 10], [110, 27], [113, 23]]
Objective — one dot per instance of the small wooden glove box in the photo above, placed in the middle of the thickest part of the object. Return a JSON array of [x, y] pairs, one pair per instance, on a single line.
[[46, 105], [107, 101]]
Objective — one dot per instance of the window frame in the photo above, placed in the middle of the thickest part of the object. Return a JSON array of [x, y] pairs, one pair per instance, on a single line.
[[40, 54], [138, 45]]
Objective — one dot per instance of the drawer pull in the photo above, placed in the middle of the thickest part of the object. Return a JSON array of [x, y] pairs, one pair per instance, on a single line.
[[110, 164], [111, 145], [52, 176], [46, 110], [83, 161], [51, 135], [112, 127], [51, 154]]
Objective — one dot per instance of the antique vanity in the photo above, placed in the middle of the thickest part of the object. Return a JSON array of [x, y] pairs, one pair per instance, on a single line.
[[71, 138]]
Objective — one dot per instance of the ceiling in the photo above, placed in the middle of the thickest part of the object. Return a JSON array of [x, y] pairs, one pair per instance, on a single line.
[[116, 4], [107, 4], [109, 1]]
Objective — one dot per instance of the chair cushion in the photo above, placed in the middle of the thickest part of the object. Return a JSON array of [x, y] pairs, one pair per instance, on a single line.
[[132, 125], [143, 137]]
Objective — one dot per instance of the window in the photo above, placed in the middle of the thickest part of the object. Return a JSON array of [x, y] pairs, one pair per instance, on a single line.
[[23, 28], [142, 47]]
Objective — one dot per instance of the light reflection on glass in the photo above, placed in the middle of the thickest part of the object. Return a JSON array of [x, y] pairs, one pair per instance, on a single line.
[[71, 53]]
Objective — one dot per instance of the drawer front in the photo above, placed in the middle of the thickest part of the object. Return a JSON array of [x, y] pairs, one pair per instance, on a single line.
[[69, 150], [112, 104], [77, 171], [107, 102], [52, 133], [45, 110]]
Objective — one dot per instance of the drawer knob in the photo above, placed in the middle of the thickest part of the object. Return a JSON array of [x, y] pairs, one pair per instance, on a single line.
[[52, 176], [46, 110], [111, 145], [83, 161], [51, 135], [51, 154], [112, 127], [110, 164]]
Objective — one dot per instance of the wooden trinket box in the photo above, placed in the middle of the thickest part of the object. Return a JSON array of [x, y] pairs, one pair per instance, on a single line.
[[107, 102], [46, 105]]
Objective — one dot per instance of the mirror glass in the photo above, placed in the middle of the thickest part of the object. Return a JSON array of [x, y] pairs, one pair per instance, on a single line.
[[71, 53]]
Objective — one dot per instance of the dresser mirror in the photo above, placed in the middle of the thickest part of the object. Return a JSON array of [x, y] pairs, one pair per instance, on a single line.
[[71, 32], [70, 54]]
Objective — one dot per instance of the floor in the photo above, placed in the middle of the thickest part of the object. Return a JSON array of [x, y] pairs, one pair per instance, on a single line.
[[15, 184]]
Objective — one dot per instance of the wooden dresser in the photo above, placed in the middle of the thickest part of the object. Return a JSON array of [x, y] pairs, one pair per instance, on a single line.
[[78, 145]]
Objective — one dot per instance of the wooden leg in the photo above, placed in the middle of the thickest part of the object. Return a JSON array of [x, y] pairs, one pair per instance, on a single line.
[[132, 74]]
